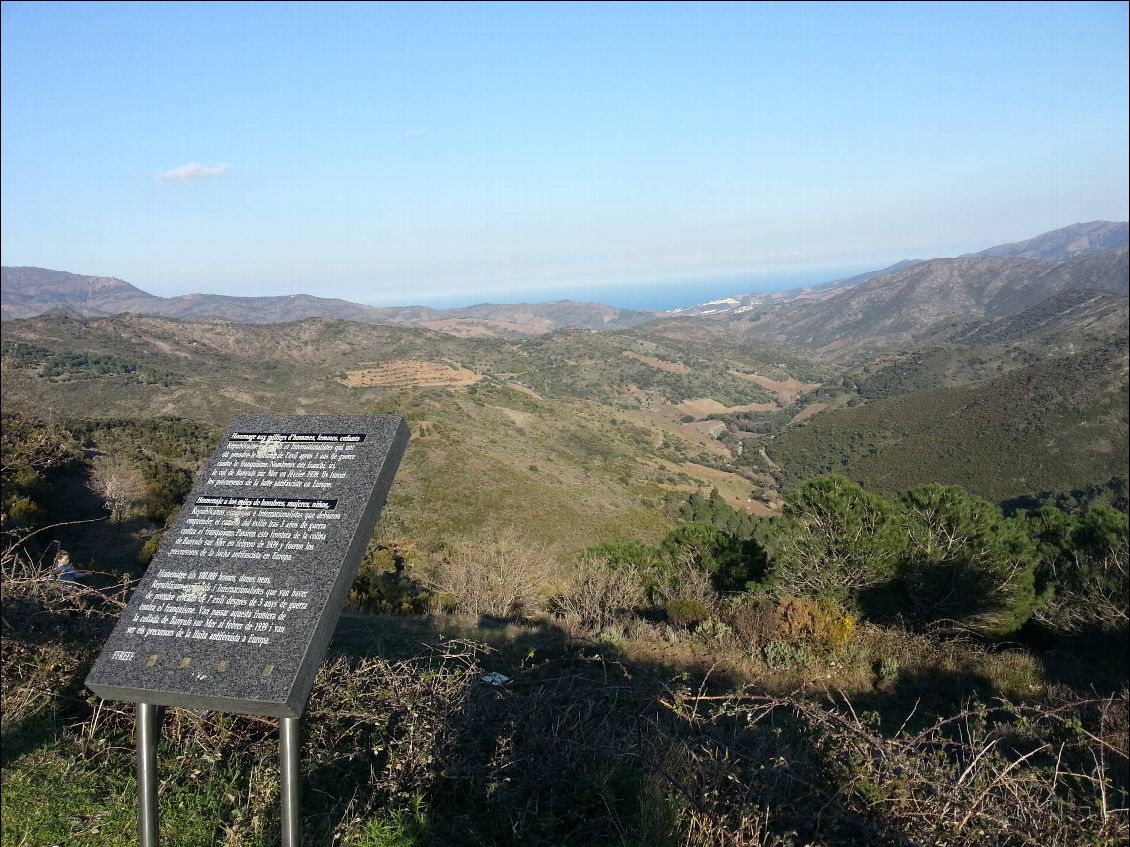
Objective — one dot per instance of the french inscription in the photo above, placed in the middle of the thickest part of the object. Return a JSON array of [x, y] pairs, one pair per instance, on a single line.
[[285, 460], [237, 607]]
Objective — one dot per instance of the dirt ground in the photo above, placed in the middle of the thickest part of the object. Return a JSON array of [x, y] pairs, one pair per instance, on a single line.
[[411, 374], [670, 367], [787, 390]]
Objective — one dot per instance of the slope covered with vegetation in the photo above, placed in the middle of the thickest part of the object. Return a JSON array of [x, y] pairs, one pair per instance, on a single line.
[[1053, 425]]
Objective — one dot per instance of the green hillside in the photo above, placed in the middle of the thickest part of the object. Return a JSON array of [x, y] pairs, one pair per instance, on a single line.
[[1054, 425]]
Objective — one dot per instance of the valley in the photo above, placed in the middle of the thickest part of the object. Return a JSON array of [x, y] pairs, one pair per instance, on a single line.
[[732, 512]]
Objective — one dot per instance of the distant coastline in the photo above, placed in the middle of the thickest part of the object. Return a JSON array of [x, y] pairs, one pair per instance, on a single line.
[[658, 297]]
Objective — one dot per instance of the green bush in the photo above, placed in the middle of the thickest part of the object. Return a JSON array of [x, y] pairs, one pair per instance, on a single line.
[[686, 613], [733, 563], [380, 586], [781, 655], [23, 511], [166, 486], [835, 540], [149, 549], [967, 563]]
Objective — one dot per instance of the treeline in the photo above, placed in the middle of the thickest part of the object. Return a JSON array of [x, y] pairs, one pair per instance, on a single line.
[[57, 365]]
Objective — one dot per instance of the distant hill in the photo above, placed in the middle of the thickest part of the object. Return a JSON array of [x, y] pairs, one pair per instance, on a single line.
[[1060, 245], [1070, 242], [897, 310], [847, 282], [28, 292]]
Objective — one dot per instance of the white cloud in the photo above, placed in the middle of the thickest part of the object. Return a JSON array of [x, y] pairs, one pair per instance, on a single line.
[[193, 170]]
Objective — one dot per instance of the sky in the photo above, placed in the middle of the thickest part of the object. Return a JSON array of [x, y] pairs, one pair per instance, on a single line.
[[453, 153]]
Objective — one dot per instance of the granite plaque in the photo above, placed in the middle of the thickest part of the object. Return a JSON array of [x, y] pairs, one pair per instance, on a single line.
[[237, 608]]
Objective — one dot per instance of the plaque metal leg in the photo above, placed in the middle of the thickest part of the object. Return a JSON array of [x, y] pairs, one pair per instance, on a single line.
[[148, 727], [290, 788]]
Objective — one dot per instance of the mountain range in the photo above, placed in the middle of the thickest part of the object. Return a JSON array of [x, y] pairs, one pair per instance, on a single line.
[[896, 307], [886, 306], [29, 291]]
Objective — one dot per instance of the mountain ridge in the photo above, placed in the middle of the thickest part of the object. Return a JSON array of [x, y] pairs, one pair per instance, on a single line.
[[31, 291], [1064, 244], [894, 310], [1069, 242], [860, 314]]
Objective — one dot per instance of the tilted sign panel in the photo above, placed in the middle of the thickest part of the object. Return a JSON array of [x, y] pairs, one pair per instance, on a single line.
[[238, 606]]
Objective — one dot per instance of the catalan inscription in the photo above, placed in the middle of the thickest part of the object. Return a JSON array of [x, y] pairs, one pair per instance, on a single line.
[[237, 607]]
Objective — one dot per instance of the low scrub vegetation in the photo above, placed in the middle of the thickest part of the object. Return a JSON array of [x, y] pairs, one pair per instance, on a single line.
[[588, 745], [867, 668]]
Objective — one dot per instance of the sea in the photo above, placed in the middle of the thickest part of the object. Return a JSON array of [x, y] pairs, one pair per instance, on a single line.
[[655, 296]]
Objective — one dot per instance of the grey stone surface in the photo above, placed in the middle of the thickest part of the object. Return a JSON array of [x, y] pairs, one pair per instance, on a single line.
[[238, 606]]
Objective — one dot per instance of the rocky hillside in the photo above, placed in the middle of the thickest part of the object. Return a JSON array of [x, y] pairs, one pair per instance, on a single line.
[[896, 310], [1070, 242]]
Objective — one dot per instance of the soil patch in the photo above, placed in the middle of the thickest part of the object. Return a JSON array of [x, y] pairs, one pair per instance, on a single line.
[[411, 374], [787, 389], [670, 367]]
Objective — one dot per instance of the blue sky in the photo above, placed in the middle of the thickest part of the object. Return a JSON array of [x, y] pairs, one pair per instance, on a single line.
[[456, 153]]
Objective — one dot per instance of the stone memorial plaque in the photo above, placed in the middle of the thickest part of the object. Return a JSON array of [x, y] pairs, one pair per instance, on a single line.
[[238, 606]]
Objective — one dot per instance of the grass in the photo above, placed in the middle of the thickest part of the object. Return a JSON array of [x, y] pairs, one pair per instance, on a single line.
[[62, 793]]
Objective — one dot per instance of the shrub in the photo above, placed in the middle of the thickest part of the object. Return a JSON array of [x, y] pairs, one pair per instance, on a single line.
[[887, 671], [599, 595], [23, 511], [1082, 575], [967, 563], [782, 655], [687, 613], [166, 486], [807, 620], [149, 549], [752, 618], [494, 573], [733, 563], [382, 586], [835, 540], [647, 562], [790, 620], [118, 483]]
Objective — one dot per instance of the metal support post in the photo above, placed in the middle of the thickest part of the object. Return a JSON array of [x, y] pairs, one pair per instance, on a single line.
[[148, 727], [290, 787]]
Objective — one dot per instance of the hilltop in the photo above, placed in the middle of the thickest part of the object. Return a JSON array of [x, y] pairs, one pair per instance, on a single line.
[[1070, 242]]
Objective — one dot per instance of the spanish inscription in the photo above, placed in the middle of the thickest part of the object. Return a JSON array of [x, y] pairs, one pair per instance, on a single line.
[[237, 607]]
